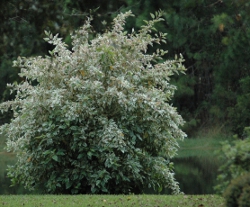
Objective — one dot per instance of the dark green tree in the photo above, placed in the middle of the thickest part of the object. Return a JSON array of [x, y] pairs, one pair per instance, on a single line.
[[232, 74], [213, 37]]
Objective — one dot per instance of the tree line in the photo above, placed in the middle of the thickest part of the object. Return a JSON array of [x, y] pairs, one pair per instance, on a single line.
[[213, 37]]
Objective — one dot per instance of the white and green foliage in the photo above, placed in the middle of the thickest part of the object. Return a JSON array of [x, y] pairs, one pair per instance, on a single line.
[[97, 118]]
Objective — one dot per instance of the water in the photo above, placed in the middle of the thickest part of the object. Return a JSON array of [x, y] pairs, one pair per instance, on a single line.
[[196, 175]]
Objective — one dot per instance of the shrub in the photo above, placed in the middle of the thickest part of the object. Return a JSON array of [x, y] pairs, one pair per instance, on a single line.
[[236, 161], [244, 200], [238, 192], [97, 118]]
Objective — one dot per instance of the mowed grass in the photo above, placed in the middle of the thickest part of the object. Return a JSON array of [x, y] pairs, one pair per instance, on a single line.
[[112, 200]]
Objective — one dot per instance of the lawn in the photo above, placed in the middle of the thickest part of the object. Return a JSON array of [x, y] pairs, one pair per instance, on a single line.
[[112, 200]]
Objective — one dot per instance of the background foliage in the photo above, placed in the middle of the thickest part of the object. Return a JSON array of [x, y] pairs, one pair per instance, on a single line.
[[213, 36]]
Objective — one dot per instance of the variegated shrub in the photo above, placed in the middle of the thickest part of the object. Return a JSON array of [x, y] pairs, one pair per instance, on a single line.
[[96, 118]]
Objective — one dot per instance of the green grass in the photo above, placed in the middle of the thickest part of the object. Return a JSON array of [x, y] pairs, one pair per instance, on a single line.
[[112, 200], [201, 147]]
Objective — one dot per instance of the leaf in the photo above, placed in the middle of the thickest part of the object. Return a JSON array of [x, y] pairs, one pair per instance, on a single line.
[[89, 154], [55, 157], [98, 182], [58, 185], [68, 183], [46, 152], [60, 153], [46, 33], [80, 156]]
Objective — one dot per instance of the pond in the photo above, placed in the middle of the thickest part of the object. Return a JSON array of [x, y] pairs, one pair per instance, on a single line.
[[196, 175]]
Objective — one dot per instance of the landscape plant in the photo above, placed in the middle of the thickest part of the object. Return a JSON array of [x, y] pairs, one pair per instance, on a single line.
[[96, 118], [238, 192], [235, 157]]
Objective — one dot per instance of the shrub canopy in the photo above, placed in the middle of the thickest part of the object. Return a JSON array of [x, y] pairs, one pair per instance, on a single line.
[[96, 118]]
